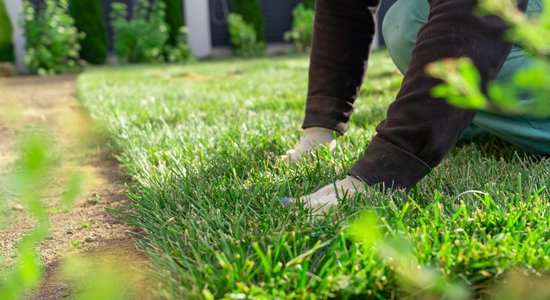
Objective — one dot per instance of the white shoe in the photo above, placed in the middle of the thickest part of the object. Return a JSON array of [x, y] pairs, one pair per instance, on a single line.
[[314, 137], [327, 197]]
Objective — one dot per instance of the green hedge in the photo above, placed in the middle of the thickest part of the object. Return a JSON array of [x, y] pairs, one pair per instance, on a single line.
[[251, 12], [6, 46], [174, 20], [88, 17], [309, 3]]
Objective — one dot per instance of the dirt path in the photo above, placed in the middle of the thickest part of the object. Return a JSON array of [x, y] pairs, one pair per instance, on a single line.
[[49, 104]]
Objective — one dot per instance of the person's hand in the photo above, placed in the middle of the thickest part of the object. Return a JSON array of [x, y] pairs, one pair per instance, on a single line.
[[313, 137], [327, 197]]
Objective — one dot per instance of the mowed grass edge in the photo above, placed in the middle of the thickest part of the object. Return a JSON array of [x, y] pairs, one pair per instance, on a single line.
[[200, 144]]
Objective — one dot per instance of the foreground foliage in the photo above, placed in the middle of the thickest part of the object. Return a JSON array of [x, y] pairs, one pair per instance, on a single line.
[[200, 144], [36, 163], [462, 80]]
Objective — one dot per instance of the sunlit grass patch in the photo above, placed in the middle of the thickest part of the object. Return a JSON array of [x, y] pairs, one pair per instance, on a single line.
[[200, 143]]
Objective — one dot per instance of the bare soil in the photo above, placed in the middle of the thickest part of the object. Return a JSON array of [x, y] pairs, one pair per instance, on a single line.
[[49, 104]]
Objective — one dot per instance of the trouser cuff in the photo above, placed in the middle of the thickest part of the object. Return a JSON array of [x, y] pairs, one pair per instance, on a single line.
[[327, 112], [387, 164]]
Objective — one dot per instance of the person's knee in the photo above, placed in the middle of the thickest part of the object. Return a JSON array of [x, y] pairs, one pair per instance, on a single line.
[[401, 26]]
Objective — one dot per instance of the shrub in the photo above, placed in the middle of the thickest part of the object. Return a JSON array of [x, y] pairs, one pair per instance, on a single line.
[[52, 38], [244, 41], [251, 12], [88, 16], [180, 52], [6, 45], [143, 37], [309, 3], [302, 28], [174, 21]]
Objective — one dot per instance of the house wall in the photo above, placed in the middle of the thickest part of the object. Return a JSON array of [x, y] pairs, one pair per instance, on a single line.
[[197, 19], [278, 18], [14, 8]]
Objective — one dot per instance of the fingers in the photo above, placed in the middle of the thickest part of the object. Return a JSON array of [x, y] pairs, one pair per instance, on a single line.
[[294, 155], [314, 137]]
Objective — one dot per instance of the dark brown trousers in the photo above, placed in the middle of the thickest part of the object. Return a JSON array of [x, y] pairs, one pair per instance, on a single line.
[[419, 129]]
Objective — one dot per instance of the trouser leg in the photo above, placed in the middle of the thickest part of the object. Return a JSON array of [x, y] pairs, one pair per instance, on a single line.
[[401, 26], [420, 129], [343, 33]]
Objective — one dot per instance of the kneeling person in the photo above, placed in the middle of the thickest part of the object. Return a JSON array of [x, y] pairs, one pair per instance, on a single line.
[[419, 129]]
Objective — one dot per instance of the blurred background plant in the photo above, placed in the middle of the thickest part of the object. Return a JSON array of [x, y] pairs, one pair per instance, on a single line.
[[52, 38], [251, 13], [180, 52], [145, 37], [174, 21], [462, 81], [177, 49], [6, 45], [89, 20], [302, 28], [310, 4], [141, 37], [244, 40]]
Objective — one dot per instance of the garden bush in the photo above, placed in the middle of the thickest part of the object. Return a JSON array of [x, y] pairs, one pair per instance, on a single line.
[[88, 17], [244, 41], [302, 28], [174, 20], [251, 12], [52, 38], [145, 36], [180, 51], [6, 46], [309, 3], [141, 38]]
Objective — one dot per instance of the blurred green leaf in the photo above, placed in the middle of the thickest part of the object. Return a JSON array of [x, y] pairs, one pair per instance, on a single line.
[[462, 83], [75, 187], [366, 229], [32, 167]]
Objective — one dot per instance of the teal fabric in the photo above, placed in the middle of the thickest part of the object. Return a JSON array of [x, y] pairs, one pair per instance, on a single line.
[[400, 28]]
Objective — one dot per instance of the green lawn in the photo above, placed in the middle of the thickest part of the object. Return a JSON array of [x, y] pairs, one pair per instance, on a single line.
[[200, 143]]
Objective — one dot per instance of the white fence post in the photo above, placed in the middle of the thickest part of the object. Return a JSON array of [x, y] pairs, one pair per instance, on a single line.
[[197, 20], [15, 7]]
